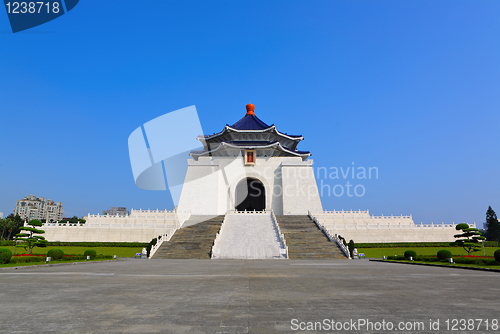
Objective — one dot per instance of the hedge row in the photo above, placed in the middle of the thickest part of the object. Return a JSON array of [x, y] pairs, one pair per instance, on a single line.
[[85, 244], [457, 260], [33, 259], [416, 244]]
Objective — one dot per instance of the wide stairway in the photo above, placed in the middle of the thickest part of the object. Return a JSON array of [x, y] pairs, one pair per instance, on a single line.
[[248, 236], [191, 242], [305, 240]]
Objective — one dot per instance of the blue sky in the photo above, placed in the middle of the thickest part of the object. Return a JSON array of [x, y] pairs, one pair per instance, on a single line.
[[409, 87]]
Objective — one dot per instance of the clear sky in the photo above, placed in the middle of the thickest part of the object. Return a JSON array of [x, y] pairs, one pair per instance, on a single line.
[[409, 87]]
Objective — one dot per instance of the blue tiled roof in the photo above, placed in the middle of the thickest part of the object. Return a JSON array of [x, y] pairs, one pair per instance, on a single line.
[[250, 122]]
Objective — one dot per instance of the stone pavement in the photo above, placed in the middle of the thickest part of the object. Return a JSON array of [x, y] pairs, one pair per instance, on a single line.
[[237, 296]]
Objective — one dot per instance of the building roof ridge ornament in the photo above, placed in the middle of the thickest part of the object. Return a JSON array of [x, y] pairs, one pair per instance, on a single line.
[[250, 109]]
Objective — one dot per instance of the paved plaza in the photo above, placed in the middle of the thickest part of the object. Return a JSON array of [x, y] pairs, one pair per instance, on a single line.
[[239, 296]]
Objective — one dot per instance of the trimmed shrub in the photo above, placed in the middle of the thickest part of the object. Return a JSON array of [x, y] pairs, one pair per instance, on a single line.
[[5, 255], [151, 244], [443, 254], [351, 247], [409, 253], [90, 252], [55, 254], [497, 255]]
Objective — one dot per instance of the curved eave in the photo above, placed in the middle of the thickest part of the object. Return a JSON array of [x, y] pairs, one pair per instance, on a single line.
[[276, 145], [228, 128]]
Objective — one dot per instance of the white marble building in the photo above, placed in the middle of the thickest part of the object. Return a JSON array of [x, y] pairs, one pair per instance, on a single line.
[[250, 166]]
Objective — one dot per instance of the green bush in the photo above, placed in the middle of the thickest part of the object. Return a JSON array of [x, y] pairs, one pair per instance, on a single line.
[[497, 255], [90, 252], [55, 254], [27, 259], [5, 255], [151, 244], [410, 253], [443, 254], [351, 247]]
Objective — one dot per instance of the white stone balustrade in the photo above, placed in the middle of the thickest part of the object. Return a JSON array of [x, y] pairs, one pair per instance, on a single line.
[[331, 237], [139, 226], [360, 226]]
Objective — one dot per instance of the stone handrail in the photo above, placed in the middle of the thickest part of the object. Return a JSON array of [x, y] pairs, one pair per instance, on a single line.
[[215, 247], [280, 235], [331, 237], [167, 236], [357, 226], [249, 212]]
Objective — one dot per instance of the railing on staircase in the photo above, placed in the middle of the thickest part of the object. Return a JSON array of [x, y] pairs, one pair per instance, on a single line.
[[214, 254], [284, 249], [164, 237], [331, 237]]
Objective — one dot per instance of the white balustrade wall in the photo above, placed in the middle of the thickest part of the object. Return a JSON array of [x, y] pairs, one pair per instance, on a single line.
[[139, 226], [360, 226]]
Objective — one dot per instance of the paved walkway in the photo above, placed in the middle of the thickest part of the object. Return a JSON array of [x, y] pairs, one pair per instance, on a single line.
[[237, 296]]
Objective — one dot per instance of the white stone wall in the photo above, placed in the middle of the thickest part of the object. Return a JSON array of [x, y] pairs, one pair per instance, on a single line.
[[300, 191], [139, 226], [210, 184], [362, 227]]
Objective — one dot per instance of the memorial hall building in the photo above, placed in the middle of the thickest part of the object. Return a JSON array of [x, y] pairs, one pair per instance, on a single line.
[[250, 192]]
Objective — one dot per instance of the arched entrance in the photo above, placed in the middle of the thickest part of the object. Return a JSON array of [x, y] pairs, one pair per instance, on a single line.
[[250, 195]]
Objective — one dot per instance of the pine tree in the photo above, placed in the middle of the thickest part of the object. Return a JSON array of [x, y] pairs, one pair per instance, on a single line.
[[469, 239], [30, 237], [492, 225]]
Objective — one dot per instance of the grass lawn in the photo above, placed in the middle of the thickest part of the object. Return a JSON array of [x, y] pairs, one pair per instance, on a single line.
[[391, 251], [77, 250]]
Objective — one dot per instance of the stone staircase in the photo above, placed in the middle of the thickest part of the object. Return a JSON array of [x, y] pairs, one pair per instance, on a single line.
[[192, 241], [248, 236], [305, 240]]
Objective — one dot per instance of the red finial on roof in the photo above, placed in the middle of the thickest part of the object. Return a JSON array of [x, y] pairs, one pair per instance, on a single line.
[[250, 109]]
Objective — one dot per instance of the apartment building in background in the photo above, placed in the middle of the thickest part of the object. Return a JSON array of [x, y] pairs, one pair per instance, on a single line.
[[32, 207]]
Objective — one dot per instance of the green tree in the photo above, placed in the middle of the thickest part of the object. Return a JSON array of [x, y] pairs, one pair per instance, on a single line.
[[469, 238], [14, 223], [492, 225], [3, 228], [10, 226], [30, 238]]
